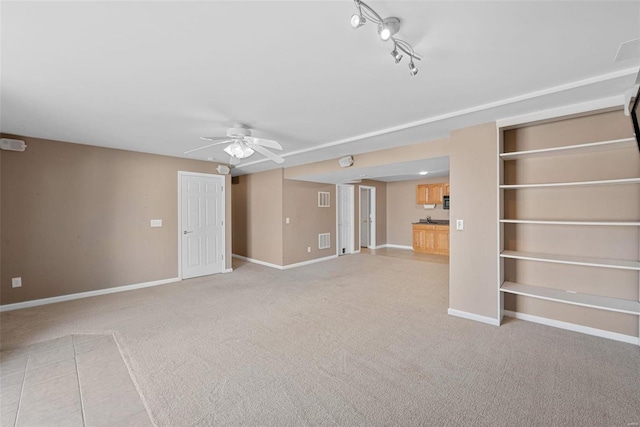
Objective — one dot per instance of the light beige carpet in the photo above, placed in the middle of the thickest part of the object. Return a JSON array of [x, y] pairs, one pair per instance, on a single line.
[[360, 340]]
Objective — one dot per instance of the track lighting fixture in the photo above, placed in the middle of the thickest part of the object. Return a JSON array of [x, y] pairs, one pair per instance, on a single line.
[[396, 55], [357, 21], [412, 69], [387, 28]]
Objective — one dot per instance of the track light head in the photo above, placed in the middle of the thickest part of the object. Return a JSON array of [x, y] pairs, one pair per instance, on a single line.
[[412, 68], [389, 27], [357, 20], [396, 55]]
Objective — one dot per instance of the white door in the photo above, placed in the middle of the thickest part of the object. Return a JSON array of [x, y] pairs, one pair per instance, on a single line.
[[367, 217], [201, 224], [364, 217], [345, 219]]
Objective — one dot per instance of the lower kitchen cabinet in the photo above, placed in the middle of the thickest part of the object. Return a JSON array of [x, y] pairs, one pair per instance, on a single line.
[[431, 239]]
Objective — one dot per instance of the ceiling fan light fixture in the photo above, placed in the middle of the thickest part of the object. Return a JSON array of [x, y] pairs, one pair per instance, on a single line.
[[238, 150], [357, 20], [389, 27]]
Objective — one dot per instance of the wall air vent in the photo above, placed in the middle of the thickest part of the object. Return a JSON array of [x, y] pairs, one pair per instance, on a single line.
[[324, 199], [324, 241]]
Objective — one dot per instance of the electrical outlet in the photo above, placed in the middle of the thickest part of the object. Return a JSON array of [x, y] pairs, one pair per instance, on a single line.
[[309, 249], [156, 223], [16, 282], [286, 220], [459, 224]]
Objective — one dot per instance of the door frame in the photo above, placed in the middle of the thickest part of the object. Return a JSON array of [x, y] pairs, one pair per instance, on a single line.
[[352, 215], [372, 219], [224, 212]]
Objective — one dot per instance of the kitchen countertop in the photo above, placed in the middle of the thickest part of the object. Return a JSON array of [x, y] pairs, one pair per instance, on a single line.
[[434, 223]]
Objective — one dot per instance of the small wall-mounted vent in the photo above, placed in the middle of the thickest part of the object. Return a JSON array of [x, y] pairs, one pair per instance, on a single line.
[[324, 199], [324, 240]]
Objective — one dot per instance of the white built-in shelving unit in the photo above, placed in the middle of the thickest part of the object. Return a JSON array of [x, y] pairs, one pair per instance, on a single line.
[[508, 242]]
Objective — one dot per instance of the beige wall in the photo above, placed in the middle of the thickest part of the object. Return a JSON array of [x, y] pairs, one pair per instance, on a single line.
[[306, 221], [473, 254], [261, 204], [402, 209], [423, 150], [594, 203], [257, 202], [75, 218]]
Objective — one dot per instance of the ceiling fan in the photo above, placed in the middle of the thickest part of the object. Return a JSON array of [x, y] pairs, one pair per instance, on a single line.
[[242, 145]]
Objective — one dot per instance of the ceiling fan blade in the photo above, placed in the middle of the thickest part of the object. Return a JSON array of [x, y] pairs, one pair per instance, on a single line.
[[265, 142], [268, 154], [214, 138], [207, 146]]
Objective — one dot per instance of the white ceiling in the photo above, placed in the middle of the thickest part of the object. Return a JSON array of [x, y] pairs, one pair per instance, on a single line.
[[155, 76], [403, 171]]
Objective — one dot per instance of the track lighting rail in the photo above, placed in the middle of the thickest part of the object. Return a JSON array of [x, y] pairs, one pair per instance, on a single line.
[[387, 28]]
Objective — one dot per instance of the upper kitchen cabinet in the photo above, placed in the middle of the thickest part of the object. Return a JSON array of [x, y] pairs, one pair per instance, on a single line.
[[431, 193]]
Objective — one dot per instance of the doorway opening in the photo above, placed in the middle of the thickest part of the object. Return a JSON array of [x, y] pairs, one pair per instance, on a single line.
[[367, 216]]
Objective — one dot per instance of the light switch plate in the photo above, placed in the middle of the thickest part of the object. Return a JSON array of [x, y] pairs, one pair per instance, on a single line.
[[156, 223], [16, 282], [286, 220], [459, 224]]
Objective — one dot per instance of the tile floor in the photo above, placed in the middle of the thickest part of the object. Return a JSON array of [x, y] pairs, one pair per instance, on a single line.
[[76, 380]]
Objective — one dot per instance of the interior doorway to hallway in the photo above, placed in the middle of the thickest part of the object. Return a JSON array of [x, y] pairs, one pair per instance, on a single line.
[[367, 216]]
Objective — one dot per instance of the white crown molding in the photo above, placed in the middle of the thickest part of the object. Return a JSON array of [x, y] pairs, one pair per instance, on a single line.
[[567, 110], [527, 96]]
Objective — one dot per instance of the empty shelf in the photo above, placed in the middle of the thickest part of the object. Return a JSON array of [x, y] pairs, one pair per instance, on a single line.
[[574, 260], [571, 149], [573, 184], [546, 222], [585, 300]]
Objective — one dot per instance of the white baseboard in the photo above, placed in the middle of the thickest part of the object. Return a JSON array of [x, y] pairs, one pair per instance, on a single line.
[[284, 267], [472, 316], [79, 295], [389, 245], [573, 327], [311, 261], [257, 261], [228, 270], [379, 246], [357, 252]]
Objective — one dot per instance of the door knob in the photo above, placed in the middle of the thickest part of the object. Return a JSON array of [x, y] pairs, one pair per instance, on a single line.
[[187, 232]]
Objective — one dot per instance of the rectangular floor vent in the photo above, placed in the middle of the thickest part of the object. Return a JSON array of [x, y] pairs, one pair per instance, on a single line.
[[324, 241]]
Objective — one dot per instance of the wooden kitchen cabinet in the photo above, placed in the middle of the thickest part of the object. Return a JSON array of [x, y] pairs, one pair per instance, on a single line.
[[431, 239], [422, 194], [445, 189], [429, 193], [442, 239]]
